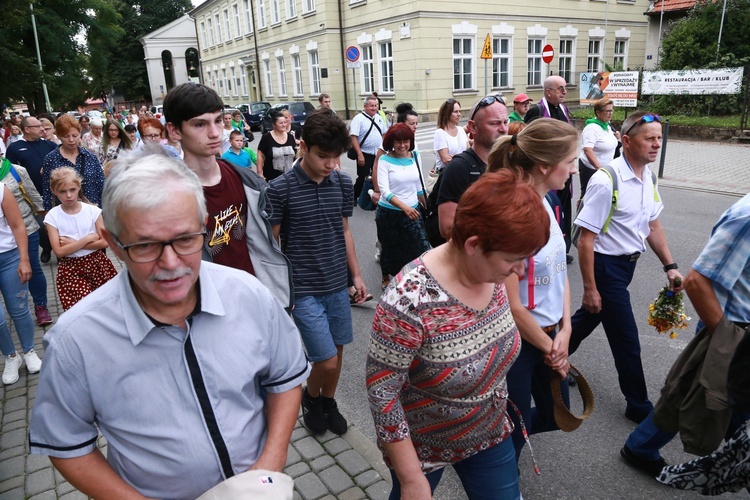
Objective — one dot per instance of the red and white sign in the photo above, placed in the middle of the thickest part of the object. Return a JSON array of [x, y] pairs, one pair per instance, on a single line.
[[548, 53]]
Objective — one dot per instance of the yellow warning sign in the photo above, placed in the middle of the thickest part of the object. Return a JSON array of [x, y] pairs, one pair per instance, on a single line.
[[487, 49]]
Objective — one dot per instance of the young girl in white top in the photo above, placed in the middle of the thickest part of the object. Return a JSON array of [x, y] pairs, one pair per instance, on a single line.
[[74, 228]]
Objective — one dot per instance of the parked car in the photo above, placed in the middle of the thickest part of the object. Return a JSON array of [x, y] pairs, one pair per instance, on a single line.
[[95, 113], [253, 112], [299, 111], [157, 110]]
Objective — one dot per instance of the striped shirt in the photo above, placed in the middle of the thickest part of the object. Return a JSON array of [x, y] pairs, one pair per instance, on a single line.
[[311, 216]]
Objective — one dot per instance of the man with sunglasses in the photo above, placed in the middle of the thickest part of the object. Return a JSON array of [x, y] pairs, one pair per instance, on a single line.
[[191, 370], [551, 106], [608, 254], [488, 120]]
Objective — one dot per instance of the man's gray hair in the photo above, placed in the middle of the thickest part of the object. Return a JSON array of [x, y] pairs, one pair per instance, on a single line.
[[144, 180], [369, 98]]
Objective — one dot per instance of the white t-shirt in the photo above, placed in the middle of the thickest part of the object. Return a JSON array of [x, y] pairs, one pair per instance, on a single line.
[[7, 241], [398, 177], [361, 124], [444, 140], [225, 144], [548, 271], [74, 226], [636, 207], [603, 142]]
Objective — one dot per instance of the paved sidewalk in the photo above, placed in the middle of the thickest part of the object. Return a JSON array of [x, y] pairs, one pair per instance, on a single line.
[[327, 467]]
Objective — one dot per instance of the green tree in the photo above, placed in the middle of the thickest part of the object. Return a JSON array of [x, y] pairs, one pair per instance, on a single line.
[[691, 43], [63, 56], [117, 60]]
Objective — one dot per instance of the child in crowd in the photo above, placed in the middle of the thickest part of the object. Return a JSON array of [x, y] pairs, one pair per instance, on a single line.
[[236, 154], [74, 228]]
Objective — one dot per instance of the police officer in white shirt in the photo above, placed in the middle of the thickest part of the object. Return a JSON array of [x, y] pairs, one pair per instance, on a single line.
[[608, 258]]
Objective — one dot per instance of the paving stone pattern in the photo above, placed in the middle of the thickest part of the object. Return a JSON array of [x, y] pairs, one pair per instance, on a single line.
[[323, 467]]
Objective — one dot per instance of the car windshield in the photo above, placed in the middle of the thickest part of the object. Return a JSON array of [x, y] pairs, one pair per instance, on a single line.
[[258, 107]]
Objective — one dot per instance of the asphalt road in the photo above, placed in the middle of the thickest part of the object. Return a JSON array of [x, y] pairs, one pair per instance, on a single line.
[[585, 463]]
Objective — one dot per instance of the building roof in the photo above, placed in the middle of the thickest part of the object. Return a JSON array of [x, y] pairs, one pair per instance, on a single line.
[[670, 6]]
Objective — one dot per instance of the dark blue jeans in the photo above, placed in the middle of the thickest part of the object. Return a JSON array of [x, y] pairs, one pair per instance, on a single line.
[[531, 377], [489, 475], [613, 276], [38, 282]]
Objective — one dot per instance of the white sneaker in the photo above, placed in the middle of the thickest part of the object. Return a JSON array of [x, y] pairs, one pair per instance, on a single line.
[[10, 372], [33, 363]]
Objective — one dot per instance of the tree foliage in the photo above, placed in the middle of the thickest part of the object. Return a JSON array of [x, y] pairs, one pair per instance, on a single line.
[[691, 43], [117, 62], [64, 58]]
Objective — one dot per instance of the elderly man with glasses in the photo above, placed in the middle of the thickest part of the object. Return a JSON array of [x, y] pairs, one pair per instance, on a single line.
[[610, 244], [191, 370], [488, 120]]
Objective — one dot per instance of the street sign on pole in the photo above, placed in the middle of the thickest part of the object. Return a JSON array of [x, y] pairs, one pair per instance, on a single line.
[[352, 53], [487, 49], [548, 53]]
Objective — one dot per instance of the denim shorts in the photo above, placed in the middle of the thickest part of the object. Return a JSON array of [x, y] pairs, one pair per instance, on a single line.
[[324, 321]]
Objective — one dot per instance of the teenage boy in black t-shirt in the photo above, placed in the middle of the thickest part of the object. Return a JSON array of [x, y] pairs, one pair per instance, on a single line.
[[237, 234]]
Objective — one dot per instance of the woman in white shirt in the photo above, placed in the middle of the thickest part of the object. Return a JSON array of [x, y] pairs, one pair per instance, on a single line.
[[400, 226], [600, 141], [450, 139]]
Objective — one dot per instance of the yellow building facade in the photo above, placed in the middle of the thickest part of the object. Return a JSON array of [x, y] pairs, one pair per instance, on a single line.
[[422, 52]]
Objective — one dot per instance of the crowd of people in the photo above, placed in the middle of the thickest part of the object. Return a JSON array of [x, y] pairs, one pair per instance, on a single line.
[[467, 340]]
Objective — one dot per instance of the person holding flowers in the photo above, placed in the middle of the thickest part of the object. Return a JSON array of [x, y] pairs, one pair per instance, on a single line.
[[611, 242], [718, 285]]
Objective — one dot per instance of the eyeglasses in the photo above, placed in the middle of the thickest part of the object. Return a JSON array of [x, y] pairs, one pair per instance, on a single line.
[[562, 89], [152, 136], [648, 118], [34, 126], [486, 101], [149, 251]]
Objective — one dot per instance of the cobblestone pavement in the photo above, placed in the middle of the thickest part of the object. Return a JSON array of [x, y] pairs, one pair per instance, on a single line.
[[327, 467]]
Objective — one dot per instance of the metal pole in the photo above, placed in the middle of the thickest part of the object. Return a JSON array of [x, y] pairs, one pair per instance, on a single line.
[[658, 45], [665, 135], [721, 28], [39, 59], [354, 94], [486, 88]]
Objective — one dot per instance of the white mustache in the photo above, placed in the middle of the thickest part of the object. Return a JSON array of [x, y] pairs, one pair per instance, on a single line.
[[170, 275]]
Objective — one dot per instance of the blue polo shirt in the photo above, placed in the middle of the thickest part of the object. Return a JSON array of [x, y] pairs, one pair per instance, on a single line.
[[311, 216], [241, 160]]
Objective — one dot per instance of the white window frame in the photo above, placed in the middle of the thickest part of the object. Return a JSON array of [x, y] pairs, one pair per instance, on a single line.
[[217, 18], [248, 16], [534, 64], [243, 79], [205, 34], [281, 73], [227, 83], [566, 60], [621, 53], [498, 56], [385, 63], [291, 9], [308, 6], [237, 20], [367, 70], [219, 83], [267, 74], [211, 38], [462, 58], [299, 89], [314, 60], [227, 25], [275, 12], [594, 57], [261, 13], [235, 86]]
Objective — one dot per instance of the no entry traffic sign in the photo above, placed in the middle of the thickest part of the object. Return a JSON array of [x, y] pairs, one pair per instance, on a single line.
[[548, 53], [352, 53]]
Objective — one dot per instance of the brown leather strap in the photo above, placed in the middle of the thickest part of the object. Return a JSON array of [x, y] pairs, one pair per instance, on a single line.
[[564, 419], [549, 329]]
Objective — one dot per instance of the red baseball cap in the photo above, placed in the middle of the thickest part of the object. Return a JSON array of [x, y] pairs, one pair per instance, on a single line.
[[522, 98]]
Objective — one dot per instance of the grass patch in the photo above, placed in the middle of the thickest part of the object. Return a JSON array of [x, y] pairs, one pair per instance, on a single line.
[[732, 122]]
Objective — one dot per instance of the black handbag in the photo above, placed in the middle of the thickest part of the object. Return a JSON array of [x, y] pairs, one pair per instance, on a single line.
[[365, 201], [738, 377]]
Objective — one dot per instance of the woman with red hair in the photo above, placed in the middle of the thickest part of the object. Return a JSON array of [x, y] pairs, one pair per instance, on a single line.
[[152, 132], [400, 226], [443, 339]]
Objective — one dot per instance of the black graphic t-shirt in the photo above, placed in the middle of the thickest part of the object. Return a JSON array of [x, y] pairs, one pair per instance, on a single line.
[[227, 219]]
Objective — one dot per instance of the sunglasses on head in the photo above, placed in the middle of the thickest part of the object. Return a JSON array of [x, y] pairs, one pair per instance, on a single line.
[[486, 101], [647, 118]]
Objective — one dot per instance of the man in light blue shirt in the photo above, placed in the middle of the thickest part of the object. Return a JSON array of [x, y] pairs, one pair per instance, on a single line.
[[191, 370]]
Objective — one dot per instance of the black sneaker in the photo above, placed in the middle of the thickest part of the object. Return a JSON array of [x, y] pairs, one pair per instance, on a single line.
[[312, 413], [45, 257], [651, 467], [336, 421]]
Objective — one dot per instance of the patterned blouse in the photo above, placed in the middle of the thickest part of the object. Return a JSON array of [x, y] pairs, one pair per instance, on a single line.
[[87, 166], [436, 369], [91, 142]]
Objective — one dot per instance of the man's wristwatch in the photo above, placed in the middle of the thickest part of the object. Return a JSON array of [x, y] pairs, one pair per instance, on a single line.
[[669, 267]]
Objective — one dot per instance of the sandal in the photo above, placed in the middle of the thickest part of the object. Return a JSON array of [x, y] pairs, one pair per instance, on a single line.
[[353, 298], [385, 283]]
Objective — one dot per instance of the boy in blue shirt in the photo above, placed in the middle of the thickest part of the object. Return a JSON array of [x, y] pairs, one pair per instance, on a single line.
[[235, 153]]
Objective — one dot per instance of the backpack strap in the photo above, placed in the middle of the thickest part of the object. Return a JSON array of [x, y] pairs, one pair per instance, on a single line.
[[531, 304]]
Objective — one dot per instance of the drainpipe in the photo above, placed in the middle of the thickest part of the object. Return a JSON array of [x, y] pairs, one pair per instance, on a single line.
[[256, 66], [343, 59]]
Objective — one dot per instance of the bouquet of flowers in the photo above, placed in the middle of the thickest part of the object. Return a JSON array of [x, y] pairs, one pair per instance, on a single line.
[[668, 312]]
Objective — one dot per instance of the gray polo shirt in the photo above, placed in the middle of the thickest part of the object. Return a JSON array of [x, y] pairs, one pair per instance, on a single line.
[[107, 365]]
